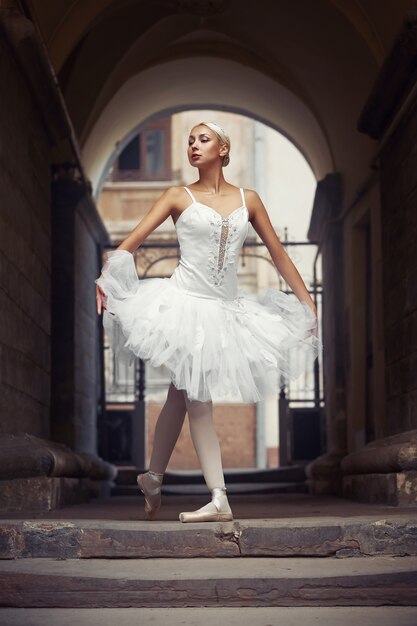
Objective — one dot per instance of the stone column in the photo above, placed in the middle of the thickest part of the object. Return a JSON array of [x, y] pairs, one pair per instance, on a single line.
[[324, 473], [36, 472], [385, 470], [77, 406]]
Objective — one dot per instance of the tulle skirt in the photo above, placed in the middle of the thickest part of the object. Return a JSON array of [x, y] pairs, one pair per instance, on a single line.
[[244, 349]]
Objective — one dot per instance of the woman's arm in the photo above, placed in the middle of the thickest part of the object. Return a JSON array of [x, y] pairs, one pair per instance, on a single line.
[[259, 219], [157, 214]]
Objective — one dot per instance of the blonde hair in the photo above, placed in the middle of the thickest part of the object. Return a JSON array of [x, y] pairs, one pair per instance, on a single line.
[[223, 138]]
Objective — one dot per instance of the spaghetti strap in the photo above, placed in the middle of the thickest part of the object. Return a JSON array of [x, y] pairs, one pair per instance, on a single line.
[[243, 196], [191, 195], [186, 321]]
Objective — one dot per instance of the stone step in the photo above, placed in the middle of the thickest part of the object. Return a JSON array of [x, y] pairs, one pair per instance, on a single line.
[[251, 582], [126, 475], [232, 488], [285, 537], [207, 616]]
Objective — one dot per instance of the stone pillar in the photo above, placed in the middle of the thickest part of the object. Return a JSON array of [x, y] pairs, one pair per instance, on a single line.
[[77, 233], [385, 470], [36, 472], [324, 473], [25, 237]]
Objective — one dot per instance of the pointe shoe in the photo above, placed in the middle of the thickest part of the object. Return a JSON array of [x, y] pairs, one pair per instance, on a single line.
[[218, 510], [150, 485]]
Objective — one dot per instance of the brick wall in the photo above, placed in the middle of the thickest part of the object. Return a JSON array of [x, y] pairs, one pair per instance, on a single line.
[[24, 257], [235, 425], [398, 176]]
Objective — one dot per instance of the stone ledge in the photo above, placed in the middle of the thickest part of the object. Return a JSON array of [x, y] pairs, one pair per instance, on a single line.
[[208, 582], [41, 475], [207, 616], [324, 474], [390, 454], [86, 539], [383, 471], [42, 493], [23, 456], [395, 489]]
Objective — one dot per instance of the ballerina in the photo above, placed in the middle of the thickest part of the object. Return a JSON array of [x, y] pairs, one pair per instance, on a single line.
[[215, 339]]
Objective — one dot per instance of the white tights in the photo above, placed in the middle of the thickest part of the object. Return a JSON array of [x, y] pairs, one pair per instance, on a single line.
[[203, 435]]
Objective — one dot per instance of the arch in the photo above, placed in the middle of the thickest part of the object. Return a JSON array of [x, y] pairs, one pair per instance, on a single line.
[[203, 82], [71, 20], [362, 23], [70, 27]]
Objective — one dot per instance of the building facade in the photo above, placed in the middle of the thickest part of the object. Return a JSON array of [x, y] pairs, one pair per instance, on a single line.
[[337, 79]]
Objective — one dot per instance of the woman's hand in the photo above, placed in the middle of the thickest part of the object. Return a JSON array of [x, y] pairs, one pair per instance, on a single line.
[[100, 299], [262, 224], [312, 307]]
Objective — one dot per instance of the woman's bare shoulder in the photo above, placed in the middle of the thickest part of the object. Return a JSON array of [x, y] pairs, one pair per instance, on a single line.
[[252, 196], [174, 195]]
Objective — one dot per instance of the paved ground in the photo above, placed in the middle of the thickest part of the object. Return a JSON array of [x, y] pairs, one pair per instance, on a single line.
[[272, 511], [245, 507], [214, 582], [211, 569], [304, 616]]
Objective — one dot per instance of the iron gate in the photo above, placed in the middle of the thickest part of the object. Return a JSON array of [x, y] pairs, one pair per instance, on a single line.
[[301, 404]]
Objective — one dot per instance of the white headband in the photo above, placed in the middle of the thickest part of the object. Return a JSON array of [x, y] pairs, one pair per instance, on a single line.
[[217, 126]]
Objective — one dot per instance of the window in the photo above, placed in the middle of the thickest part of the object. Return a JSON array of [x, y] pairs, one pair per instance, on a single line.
[[129, 160], [147, 156]]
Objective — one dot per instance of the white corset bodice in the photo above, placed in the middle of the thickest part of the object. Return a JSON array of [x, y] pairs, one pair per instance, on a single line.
[[209, 249], [216, 341]]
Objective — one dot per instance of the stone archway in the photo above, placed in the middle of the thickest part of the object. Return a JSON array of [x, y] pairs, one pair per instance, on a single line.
[[168, 88]]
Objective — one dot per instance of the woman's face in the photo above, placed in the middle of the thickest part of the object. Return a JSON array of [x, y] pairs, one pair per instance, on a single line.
[[203, 146]]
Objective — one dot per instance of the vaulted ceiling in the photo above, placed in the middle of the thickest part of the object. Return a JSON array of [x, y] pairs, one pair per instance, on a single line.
[[305, 67]]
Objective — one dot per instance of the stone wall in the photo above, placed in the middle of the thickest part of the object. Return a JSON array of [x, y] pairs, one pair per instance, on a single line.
[[385, 470], [398, 180], [50, 335], [25, 248]]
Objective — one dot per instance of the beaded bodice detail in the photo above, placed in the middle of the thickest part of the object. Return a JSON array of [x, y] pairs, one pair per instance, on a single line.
[[209, 246]]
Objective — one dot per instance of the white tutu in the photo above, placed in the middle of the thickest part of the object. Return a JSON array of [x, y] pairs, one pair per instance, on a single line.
[[243, 348]]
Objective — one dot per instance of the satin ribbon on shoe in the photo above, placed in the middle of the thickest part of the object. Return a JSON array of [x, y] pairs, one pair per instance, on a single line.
[[202, 515], [152, 494]]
